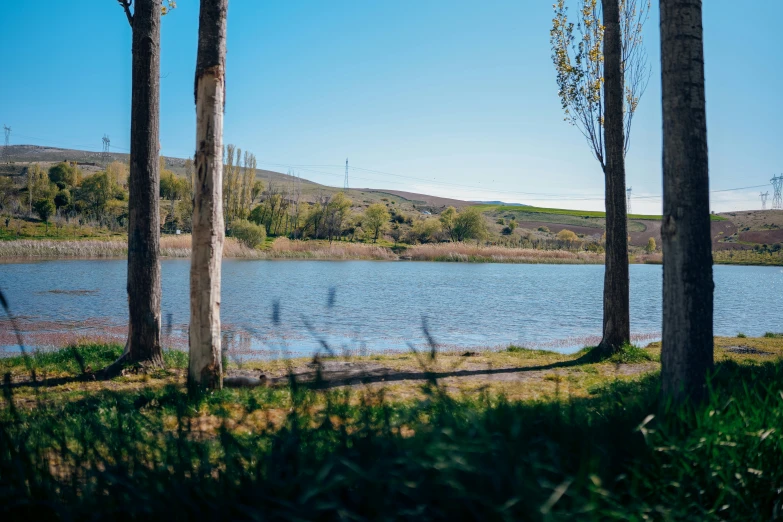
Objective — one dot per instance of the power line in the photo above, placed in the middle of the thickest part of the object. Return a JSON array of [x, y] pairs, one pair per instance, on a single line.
[[7, 131], [541, 196], [345, 184], [106, 145], [658, 196], [52, 143], [628, 199], [763, 196], [777, 186]]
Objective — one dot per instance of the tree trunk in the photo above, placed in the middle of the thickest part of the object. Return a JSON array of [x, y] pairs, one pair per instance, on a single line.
[[205, 369], [143, 183], [617, 322], [687, 353]]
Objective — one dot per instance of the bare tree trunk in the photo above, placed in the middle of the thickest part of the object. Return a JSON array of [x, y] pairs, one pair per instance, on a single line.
[[205, 368], [617, 322], [687, 353], [143, 204]]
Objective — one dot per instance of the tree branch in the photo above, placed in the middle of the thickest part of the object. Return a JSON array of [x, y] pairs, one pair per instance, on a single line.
[[126, 5]]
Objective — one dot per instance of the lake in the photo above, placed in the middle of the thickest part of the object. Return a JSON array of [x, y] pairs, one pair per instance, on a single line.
[[273, 308]]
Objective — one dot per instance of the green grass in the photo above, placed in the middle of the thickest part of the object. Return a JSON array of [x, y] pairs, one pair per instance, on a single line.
[[621, 454], [575, 213], [773, 335], [631, 354], [73, 360]]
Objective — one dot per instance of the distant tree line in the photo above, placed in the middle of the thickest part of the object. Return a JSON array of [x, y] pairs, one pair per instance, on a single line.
[[63, 193]]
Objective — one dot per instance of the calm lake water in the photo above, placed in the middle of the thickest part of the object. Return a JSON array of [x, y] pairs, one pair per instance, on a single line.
[[274, 307]]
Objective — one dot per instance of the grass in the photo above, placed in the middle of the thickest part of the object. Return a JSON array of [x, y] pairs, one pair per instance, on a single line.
[[631, 354], [74, 360], [19, 229], [576, 213], [616, 453], [283, 248], [747, 257]]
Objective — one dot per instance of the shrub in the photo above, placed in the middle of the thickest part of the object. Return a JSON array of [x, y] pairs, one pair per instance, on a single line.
[[543, 229], [399, 218], [651, 246], [773, 335], [741, 335], [44, 208], [62, 199], [374, 221], [249, 234], [469, 224], [63, 175], [567, 235]]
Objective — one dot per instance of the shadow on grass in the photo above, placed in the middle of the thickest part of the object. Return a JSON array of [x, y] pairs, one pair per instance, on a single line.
[[337, 454]]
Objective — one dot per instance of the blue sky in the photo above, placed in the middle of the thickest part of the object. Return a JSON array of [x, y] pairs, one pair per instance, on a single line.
[[454, 98]]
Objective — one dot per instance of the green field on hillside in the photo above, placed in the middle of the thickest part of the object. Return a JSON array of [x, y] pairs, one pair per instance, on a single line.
[[576, 213]]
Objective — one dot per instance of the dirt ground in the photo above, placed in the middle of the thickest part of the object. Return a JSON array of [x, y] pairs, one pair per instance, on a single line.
[[519, 374]]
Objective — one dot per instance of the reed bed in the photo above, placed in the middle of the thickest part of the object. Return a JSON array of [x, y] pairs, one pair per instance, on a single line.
[[462, 252], [32, 248], [179, 247], [283, 248]]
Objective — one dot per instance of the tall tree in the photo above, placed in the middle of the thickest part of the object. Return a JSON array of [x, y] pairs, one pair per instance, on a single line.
[[601, 78], [144, 292], [687, 351], [617, 315], [205, 368]]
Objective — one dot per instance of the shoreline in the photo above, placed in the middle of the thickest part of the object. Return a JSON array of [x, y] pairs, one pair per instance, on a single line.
[[284, 249], [178, 247]]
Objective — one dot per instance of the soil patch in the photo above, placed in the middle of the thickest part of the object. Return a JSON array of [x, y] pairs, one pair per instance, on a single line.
[[764, 237], [331, 374], [747, 350]]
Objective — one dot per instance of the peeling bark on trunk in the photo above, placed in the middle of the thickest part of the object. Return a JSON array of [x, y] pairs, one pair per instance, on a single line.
[[205, 368], [687, 351], [617, 322], [144, 292]]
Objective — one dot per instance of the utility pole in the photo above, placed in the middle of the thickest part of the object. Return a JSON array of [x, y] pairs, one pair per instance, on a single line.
[[764, 196], [628, 199], [106, 145], [7, 130], [777, 188], [345, 184]]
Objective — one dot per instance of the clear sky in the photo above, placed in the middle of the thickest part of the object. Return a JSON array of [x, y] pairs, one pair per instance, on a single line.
[[449, 97]]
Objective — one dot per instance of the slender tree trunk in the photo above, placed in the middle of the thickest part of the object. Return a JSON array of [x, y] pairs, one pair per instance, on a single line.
[[143, 183], [205, 367], [687, 353], [617, 322]]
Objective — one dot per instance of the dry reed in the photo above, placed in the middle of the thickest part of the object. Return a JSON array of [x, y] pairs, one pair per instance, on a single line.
[[462, 252], [179, 246]]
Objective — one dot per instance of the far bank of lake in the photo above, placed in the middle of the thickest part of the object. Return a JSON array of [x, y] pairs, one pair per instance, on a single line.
[[283, 248]]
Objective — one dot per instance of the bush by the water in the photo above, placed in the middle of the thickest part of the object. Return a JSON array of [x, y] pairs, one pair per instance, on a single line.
[[249, 234]]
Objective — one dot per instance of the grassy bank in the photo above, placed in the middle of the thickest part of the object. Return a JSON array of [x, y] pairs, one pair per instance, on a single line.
[[138, 447], [575, 213], [471, 253], [282, 248]]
